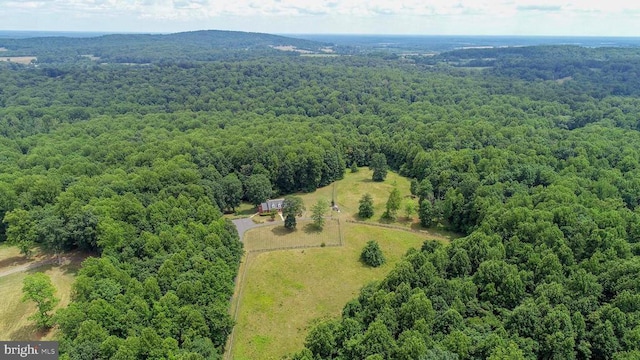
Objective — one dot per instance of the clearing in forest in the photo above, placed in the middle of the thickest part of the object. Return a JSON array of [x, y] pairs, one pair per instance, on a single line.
[[19, 59], [14, 314], [283, 293]]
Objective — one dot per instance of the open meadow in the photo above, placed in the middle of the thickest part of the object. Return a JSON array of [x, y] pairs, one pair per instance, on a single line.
[[285, 292], [14, 314], [19, 59]]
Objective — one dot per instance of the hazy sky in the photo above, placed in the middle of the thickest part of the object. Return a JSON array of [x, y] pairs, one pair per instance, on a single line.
[[452, 17]]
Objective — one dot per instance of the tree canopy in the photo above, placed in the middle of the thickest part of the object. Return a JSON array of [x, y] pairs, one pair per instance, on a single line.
[[39, 289], [530, 153]]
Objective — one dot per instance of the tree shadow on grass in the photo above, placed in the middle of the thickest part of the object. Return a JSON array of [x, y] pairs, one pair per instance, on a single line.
[[29, 332], [14, 261], [281, 231], [311, 229], [386, 220], [246, 212], [70, 263]]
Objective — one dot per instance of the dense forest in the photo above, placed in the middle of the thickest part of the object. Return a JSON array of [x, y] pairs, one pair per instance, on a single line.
[[194, 46], [538, 167]]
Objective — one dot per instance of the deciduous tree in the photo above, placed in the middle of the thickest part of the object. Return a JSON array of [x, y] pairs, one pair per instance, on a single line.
[[393, 204], [20, 230], [292, 207], [379, 166], [258, 189], [318, 210], [39, 289], [409, 210], [425, 212], [232, 191]]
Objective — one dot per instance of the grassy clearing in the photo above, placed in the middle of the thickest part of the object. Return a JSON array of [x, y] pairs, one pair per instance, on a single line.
[[350, 189], [11, 258], [14, 314], [244, 210], [277, 237], [285, 292], [19, 59]]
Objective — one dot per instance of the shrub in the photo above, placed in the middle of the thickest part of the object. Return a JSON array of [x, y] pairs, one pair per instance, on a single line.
[[372, 255]]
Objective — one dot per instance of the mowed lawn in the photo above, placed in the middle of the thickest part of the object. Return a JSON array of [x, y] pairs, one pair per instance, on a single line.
[[14, 314], [285, 292]]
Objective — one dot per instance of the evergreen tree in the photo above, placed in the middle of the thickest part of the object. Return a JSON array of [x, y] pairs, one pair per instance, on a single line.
[[290, 222], [365, 210], [372, 254]]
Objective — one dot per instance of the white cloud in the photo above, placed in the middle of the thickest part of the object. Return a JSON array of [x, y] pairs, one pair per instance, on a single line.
[[391, 16]]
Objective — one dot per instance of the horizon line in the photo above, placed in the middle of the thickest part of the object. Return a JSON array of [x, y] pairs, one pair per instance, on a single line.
[[101, 32]]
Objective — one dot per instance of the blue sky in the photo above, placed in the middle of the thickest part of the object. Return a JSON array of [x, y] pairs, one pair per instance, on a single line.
[[429, 17]]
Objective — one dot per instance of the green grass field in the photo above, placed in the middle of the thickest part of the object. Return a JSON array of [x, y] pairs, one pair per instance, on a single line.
[[284, 292], [245, 209], [306, 235], [350, 189], [14, 314]]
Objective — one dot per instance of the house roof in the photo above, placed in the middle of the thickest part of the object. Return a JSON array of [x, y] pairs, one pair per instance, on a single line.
[[272, 204]]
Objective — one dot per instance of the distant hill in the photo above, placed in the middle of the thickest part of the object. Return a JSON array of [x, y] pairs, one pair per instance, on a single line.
[[207, 45]]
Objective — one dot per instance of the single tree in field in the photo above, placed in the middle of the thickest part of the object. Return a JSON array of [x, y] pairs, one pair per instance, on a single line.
[[409, 209], [354, 167], [318, 210], [379, 166], [290, 221], [372, 255], [393, 204], [38, 288], [292, 207], [365, 211]]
